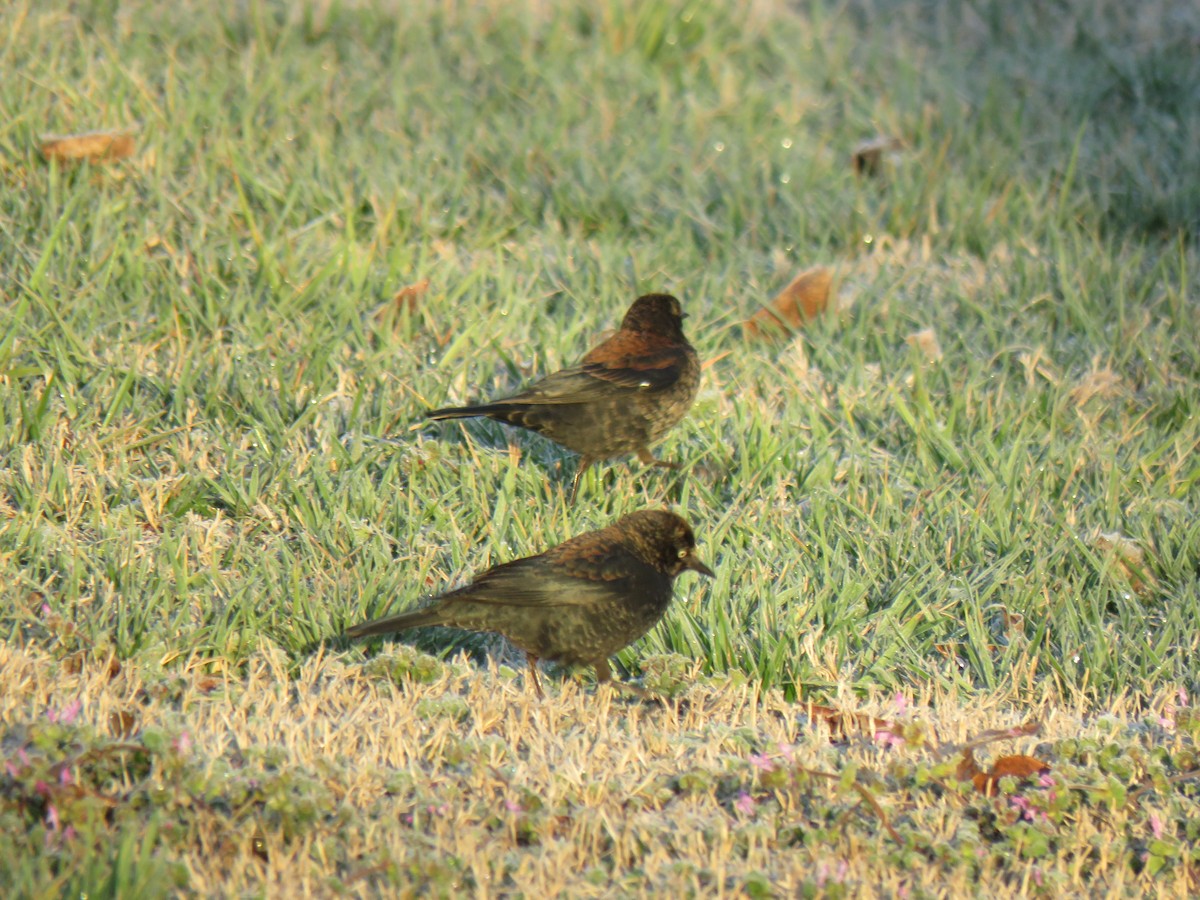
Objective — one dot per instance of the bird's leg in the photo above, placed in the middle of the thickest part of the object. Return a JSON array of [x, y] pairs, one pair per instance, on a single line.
[[604, 676], [537, 685], [603, 672], [648, 459], [584, 462]]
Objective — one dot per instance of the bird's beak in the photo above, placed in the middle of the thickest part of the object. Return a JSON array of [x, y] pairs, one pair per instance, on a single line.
[[691, 562]]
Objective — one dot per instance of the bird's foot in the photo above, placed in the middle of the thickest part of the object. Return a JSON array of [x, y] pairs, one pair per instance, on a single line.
[[648, 459]]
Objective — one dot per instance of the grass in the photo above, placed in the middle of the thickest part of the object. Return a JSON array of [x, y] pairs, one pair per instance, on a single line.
[[209, 462], [409, 775]]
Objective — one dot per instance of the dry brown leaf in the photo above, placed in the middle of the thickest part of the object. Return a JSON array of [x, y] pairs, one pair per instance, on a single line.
[[842, 723], [407, 296], [868, 156], [92, 146], [801, 301], [1103, 383], [926, 341], [404, 300], [122, 722], [1017, 766], [1129, 557], [968, 769]]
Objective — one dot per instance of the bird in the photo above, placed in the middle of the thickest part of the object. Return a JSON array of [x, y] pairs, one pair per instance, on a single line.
[[577, 603], [623, 396]]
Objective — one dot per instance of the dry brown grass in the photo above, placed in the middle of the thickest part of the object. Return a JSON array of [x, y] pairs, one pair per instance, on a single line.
[[340, 779]]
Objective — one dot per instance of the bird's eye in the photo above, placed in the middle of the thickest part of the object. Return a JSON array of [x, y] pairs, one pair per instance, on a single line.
[[683, 551]]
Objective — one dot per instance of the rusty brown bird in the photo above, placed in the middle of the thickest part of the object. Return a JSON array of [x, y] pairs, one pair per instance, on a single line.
[[624, 395]]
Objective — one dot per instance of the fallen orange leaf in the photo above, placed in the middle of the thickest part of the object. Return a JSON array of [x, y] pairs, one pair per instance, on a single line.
[[404, 300], [801, 301], [406, 297], [92, 146], [1017, 766]]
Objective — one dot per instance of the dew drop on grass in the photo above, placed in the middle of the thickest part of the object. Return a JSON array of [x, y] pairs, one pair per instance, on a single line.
[[785, 178], [719, 146], [786, 143]]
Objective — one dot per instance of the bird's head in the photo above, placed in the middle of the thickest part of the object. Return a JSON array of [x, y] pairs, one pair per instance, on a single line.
[[664, 540], [656, 314]]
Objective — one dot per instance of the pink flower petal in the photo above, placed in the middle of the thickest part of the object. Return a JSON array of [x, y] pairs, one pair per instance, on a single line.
[[1156, 825], [744, 804]]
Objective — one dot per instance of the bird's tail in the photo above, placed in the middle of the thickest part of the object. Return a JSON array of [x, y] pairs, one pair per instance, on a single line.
[[468, 412], [400, 622]]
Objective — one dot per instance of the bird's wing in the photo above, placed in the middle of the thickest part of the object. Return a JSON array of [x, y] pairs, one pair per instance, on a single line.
[[574, 385], [634, 362], [564, 576], [626, 361]]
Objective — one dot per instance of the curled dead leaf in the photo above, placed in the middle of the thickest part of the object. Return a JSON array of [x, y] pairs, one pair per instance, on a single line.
[[404, 300], [122, 723], [926, 342], [1129, 557], [1100, 382], [92, 146], [803, 300], [842, 724], [968, 769], [407, 296], [868, 155]]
